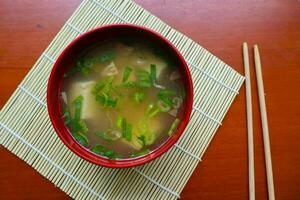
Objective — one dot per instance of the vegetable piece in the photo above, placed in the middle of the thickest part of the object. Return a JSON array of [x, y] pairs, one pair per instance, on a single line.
[[126, 74], [125, 127], [173, 126], [84, 66], [101, 150], [120, 122], [141, 153], [83, 127], [127, 130], [153, 74], [138, 97], [106, 57], [103, 86], [66, 116], [128, 85], [81, 139], [165, 96], [78, 105], [109, 135], [152, 110], [146, 136], [142, 138], [177, 101], [103, 136], [110, 154], [78, 127], [135, 143], [98, 149], [144, 79], [106, 100], [163, 107], [110, 70], [71, 72]]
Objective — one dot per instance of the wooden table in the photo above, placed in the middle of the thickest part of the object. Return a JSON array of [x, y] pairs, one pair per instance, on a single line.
[[27, 27]]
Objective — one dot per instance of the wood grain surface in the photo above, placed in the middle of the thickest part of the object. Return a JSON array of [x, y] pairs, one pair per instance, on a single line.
[[27, 27]]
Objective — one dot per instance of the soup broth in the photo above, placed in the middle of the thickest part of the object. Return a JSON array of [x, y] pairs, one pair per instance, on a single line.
[[122, 98]]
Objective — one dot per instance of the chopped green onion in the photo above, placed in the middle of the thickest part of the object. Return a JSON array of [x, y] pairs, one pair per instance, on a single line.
[[144, 84], [165, 96], [83, 127], [163, 107], [101, 150], [167, 92], [126, 74], [103, 135], [150, 107], [173, 126], [67, 116], [118, 156], [106, 101], [71, 72], [128, 85], [126, 128], [128, 132], [154, 112], [138, 97], [106, 57], [98, 149], [107, 87], [153, 73], [103, 86], [81, 139], [142, 138], [110, 154], [120, 122], [78, 105], [144, 79]]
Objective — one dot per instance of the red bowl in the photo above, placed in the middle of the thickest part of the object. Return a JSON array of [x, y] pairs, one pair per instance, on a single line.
[[68, 56]]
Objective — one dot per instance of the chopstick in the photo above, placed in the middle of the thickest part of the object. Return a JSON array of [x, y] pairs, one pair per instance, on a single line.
[[264, 121], [249, 124]]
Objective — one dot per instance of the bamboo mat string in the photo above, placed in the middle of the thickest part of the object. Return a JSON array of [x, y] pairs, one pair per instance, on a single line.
[[48, 160], [26, 131]]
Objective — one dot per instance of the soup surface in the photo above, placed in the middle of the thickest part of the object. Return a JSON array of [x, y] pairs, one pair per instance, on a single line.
[[122, 98]]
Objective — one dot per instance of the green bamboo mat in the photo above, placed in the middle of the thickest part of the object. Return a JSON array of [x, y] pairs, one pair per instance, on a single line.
[[26, 131]]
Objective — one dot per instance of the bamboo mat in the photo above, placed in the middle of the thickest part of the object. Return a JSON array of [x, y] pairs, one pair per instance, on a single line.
[[26, 131]]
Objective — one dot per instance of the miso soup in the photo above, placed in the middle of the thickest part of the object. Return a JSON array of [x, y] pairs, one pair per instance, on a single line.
[[122, 98]]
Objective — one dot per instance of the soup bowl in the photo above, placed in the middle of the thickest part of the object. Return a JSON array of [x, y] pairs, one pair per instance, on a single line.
[[67, 57]]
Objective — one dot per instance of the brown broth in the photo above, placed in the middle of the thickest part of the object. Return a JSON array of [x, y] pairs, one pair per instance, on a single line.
[[98, 118]]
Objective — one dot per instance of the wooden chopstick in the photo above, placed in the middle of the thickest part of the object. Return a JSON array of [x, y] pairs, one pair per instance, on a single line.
[[264, 121], [249, 124]]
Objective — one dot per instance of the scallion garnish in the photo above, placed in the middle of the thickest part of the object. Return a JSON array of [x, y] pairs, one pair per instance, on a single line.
[[103, 135], [126, 74], [78, 105], [138, 97], [106, 57], [153, 74], [81, 139], [144, 79], [173, 126]]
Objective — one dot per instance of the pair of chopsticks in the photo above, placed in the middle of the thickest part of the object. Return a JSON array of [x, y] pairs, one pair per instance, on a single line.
[[264, 121]]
